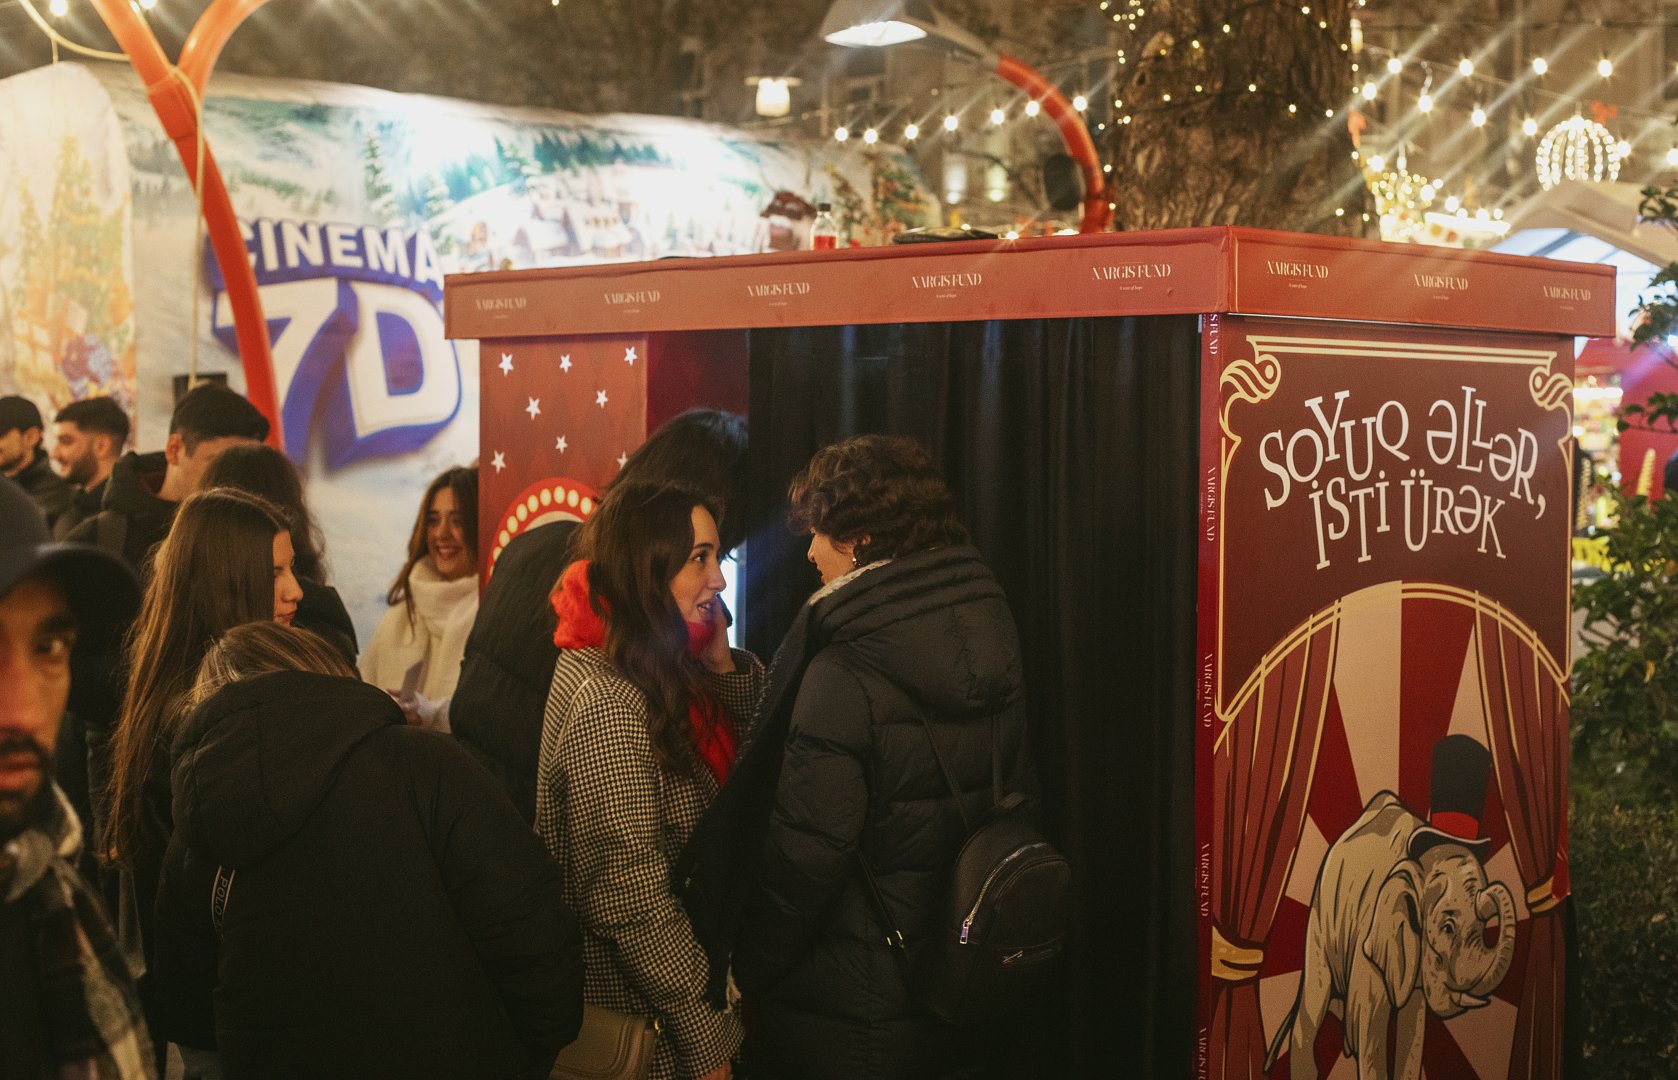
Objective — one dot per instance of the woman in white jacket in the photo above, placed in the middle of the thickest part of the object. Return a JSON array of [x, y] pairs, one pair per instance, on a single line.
[[434, 600]]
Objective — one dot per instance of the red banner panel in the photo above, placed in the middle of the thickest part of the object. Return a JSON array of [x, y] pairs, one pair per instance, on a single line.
[[558, 418], [1382, 706]]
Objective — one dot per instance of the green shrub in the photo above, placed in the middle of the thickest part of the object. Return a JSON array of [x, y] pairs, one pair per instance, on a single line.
[[1625, 685], [1624, 862]]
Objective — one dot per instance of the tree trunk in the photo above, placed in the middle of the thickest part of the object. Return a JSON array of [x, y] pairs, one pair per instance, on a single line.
[[1204, 133]]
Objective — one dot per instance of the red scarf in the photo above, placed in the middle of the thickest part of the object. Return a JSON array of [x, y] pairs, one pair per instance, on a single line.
[[580, 628]]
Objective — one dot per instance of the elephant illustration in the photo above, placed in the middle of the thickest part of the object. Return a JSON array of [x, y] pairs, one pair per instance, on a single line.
[[1402, 920]]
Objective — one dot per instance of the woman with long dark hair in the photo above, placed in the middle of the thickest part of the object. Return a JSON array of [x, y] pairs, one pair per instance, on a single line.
[[385, 912], [645, 712], [226, 561], [434, 597], [263, 470]]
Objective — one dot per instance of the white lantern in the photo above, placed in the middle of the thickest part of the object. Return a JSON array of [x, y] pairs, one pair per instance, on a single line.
[[774, 95]]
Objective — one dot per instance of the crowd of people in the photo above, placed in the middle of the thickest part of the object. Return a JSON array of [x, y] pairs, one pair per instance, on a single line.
[[234, 843]]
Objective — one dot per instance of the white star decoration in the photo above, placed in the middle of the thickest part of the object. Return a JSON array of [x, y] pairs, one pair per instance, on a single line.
[[600, 398], [629, 356], [621, 459], [565, 362], [534, 408], [559, 444], [499, 461], [506, 364]]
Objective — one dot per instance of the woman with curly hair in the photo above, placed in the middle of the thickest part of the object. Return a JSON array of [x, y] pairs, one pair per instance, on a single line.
[[646, 708], [908, 640]]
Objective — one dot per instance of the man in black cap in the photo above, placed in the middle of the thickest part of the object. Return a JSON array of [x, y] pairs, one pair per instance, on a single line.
[[145, 489], [24, 460], [66, 993]]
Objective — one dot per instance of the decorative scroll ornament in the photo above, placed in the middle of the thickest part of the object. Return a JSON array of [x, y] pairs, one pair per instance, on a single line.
[[1577, 149]]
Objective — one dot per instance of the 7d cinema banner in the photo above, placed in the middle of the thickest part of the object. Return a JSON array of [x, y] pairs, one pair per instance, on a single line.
[[1382, 704]]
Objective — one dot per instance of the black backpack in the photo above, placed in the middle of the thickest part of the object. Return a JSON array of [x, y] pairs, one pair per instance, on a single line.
[[1005, 917]]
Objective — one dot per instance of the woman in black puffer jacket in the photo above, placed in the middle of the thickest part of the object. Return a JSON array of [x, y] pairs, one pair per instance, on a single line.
[[386, 912], [910, 628]]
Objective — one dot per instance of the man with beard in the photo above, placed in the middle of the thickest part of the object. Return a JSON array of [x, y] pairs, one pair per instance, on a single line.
[[67, 995], [87, 440], [24, 460]]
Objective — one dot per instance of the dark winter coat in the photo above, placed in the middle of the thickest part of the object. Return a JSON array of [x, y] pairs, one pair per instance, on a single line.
[[389, 914], [131, 494], [51, 492], [843, 749], [509, 664], [322, 610], [84, 503]]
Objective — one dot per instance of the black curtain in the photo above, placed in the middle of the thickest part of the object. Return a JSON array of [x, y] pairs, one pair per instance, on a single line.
[[1072, 447]]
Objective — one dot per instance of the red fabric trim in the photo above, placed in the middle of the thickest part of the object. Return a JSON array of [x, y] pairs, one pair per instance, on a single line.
[[1460, 825], [580, 628]]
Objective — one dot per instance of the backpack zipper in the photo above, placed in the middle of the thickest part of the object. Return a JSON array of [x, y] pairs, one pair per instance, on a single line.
[[967, 923]]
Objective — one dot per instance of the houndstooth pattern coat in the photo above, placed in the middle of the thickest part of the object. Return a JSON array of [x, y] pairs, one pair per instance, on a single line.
[[616, 822]]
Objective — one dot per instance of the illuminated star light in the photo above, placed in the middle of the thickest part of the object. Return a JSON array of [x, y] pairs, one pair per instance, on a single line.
[[499, 461], [629, 356], [600, 398], [565, 362], [506, 364], [534, 408], [559, 444]]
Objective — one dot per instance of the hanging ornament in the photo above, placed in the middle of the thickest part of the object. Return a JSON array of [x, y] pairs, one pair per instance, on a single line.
[[1577, 149]]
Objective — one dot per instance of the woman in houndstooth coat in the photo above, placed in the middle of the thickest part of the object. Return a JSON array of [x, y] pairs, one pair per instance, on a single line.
[[646, 709]]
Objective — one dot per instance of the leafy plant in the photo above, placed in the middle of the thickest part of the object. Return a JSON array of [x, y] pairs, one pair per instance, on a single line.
[[1657, 311], [1625, 686], [1625, 883]]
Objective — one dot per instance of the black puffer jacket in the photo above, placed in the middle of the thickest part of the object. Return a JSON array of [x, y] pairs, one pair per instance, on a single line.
[[926, 636], [389, 915], [51, 492], [509, 663]]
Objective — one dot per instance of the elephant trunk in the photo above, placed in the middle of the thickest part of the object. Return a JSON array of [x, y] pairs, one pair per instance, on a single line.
[[1495, 902]]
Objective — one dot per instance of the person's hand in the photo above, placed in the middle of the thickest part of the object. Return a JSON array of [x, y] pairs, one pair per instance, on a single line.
[[725, 1071], [717, 656]]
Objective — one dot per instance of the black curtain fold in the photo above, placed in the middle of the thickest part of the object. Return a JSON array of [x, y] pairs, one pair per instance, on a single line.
[[1072, 446]]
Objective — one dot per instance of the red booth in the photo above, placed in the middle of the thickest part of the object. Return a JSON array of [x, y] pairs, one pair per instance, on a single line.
[[1284, 522]]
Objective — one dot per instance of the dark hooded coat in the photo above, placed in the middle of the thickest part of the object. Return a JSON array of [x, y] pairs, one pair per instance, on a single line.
[[389, 914], [841, 769]]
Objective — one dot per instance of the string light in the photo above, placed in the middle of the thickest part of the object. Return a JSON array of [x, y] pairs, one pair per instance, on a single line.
[[1465, 67], [871, 136], [1395, 65], [1622, 149], [841, 133], [997, 116], [1540, 65], [951, 123], [1605, 67], [1529, 127], [911, 131], [1672, 158], [1370, 90], [1424, 103], [1032, 108], [1477, 117], [59, 8], [1080, 103]]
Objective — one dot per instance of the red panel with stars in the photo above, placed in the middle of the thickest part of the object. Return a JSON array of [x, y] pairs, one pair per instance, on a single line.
[[557, 418]]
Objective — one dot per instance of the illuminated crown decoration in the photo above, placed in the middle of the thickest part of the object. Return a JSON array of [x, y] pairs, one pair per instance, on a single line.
[[1577, 149]]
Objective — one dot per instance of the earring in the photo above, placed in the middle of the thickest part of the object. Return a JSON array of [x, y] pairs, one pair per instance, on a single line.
[[853, 558]]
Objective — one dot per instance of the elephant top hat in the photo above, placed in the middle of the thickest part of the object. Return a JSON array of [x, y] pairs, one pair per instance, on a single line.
[[1461, 768]]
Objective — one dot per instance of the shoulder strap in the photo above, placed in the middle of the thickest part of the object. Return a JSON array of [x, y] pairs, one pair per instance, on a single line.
[[218, 896]]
